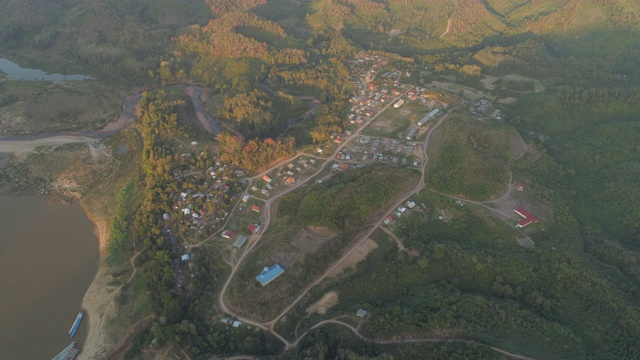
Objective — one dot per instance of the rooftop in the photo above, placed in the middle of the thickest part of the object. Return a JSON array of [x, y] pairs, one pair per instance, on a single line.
[[528, 217], [268, 274], [240, 241]]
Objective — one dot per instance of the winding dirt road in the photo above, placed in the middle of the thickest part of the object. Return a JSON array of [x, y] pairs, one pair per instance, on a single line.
[[269, 326], [266, 219], [20, 145], [409, 340]]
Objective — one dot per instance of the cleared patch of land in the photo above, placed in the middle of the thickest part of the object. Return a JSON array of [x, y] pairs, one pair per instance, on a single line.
[[325, 303], [28, 107], [392, 122], [355, 257], [311, 238], [514, 81], [462, 90]]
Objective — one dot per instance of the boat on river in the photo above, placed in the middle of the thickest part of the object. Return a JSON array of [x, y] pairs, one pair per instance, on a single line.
[[69, 353], [75, 325]]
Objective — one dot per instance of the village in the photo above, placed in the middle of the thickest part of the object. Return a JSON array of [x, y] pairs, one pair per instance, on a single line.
[[388, 122]]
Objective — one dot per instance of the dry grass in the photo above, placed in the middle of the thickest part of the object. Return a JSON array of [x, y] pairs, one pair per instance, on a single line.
[[359, 254], [325, 303], [311, 238]]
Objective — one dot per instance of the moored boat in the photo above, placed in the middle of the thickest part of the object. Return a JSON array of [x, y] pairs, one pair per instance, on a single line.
[[76, 324]]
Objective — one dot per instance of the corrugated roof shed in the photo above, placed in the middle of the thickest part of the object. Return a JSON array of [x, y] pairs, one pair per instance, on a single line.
[[268, 274], [240, 241], [412, 133], [428, 117]]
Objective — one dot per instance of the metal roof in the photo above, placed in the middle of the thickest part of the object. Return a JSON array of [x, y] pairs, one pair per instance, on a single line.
[[269, 273], [240, 241]]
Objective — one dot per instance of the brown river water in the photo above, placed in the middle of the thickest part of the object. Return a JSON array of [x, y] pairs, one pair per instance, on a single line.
[[48, 258]]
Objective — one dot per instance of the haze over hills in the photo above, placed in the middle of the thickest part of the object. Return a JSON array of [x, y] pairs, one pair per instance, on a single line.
[[362, 205]]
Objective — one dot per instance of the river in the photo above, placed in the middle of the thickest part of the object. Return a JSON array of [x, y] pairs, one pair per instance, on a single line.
[[48, 258], [16, 72]]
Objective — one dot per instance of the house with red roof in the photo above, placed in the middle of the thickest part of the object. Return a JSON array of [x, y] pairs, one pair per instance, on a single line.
[[227, 234], [255, 208], [528, 217], [254, 228]]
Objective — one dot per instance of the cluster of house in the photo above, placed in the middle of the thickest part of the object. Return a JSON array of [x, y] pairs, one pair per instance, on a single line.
[[481, 106], [285, 175], [367, 148], [200, 187], [233, 323], [399, 211], [241, 240], [371, 98], [421, 95]]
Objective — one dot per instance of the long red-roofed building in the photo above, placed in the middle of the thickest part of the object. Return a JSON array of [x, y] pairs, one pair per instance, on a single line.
[[528, 217]]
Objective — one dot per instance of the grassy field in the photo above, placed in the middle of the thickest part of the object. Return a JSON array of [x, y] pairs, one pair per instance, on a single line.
[[28, 107], [393, 122]]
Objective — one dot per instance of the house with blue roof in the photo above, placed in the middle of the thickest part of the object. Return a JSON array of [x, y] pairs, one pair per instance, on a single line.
[[268, 274]]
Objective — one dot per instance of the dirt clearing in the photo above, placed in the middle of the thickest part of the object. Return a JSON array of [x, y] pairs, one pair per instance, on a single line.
[[311, 238], [518, 147], [462, 90], [359, 254], [489, 81], [321, 306]]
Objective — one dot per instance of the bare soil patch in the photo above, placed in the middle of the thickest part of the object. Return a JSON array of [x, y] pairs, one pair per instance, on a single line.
[[325, 303], [284, 259], [311, 238], [462, 90], [504, 208], [525, 241], [359, 254], [507, 101], [98, 301], [489, 81], [383, 125], [518, 147]]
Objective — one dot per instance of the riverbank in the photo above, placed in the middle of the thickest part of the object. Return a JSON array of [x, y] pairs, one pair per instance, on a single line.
[[98, 300]]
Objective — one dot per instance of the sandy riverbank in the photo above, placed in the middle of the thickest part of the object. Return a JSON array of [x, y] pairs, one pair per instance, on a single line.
[[98, 300]]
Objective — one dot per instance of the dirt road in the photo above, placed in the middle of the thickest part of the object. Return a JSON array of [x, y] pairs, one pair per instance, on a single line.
[[409, 340], [269, 326]]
